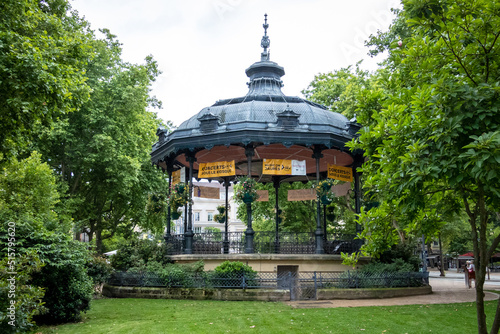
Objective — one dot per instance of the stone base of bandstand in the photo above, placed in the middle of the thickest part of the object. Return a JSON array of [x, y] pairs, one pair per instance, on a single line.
[[270, 262], [256, 294]]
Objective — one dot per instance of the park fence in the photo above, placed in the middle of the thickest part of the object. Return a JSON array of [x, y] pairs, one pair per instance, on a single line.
[[272, 280]]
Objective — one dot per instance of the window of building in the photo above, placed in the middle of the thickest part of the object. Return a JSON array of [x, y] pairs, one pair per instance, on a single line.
[[197, 229], [210, 217], [196, 216]]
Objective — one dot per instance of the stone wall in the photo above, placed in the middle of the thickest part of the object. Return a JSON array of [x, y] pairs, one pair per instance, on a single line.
[[255, 294], [328, 294], [195, 293]]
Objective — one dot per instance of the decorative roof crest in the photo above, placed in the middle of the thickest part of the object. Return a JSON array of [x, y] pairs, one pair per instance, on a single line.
[[265, 42]]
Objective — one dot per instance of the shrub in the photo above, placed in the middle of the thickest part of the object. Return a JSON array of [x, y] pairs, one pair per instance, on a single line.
[[404, 252], [171, 274], [68, 288], [137, 253], [27, 298], [99, 270], [234, 274]]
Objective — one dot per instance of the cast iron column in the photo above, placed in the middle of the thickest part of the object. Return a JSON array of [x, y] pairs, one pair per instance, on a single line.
[[226, 239], [357, 195], [189, 233], [276, 183], [324, 225], [249, 233], [169, 210], [319, 234], [185, 222]]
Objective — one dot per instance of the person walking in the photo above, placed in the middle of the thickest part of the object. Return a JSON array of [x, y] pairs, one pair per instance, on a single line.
[[471, 271]]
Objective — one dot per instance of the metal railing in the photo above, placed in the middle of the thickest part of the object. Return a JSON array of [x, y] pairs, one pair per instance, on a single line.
[[264, 243], [272, 280]]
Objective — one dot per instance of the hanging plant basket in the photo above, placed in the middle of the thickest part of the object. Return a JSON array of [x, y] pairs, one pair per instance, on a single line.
[[248, 198], [178, 196], [221, 216], [325, 200], [175, 215], [246, 190], [324, 191]]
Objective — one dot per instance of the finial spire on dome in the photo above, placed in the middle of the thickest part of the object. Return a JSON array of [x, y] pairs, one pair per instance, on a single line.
[[265, 42]]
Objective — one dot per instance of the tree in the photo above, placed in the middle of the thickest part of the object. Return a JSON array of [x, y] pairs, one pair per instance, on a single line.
[[43, 52], [296, 216], [27, 202], [345, 91], [101, 150], [438, 135]]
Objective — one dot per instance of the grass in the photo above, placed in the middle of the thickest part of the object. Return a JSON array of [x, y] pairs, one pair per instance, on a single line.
[[130, 316]]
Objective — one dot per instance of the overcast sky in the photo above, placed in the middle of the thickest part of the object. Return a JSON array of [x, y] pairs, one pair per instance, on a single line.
[[204, 46]]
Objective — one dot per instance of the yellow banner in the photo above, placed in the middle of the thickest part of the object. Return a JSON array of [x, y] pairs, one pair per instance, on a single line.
[[340, 173], [277, 167], [216, 169]]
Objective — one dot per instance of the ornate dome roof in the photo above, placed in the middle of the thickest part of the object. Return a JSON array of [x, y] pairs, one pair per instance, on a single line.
[[264, 116]]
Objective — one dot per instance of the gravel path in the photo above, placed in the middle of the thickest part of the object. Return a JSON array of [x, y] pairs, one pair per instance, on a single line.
[[445, 290]]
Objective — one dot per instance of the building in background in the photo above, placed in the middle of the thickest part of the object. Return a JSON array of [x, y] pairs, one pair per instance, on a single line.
[[206, 198]]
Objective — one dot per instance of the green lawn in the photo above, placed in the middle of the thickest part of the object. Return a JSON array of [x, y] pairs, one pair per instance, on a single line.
[[130, 316]]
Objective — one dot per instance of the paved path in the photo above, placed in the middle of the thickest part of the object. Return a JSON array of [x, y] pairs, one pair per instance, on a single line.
[[445, 290]]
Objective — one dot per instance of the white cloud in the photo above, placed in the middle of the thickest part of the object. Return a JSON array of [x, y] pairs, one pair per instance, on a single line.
[[204, 47]]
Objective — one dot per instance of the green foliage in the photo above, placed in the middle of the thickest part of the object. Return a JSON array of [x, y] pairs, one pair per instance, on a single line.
[[138, 253], [43, 52], [64, 279], [397, 265], [220, 217], [233, 273], [17, 318], [433, 146], [246, 189], [101, 150], [351, 93], [234, 267], [99, 270], [404, 253], [215, 231], [173, 274], [30, 193], [298, 216], [179, 196]]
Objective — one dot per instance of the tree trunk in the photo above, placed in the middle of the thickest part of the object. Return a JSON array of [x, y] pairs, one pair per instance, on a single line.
[[496, 322], [98, 241]]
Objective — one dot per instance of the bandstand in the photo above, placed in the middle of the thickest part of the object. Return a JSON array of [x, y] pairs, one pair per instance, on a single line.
[[262, 125]]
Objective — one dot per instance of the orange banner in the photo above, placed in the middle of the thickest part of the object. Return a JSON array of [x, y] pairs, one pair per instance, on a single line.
[[340, 173], [216, 169]]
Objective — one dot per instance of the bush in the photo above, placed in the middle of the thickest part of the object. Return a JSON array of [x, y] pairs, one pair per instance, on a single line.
[[27, 298], [399, 265], [234, 274], [137, 253], [404, 252], [99, 270], [158, 274], [68, 289]]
